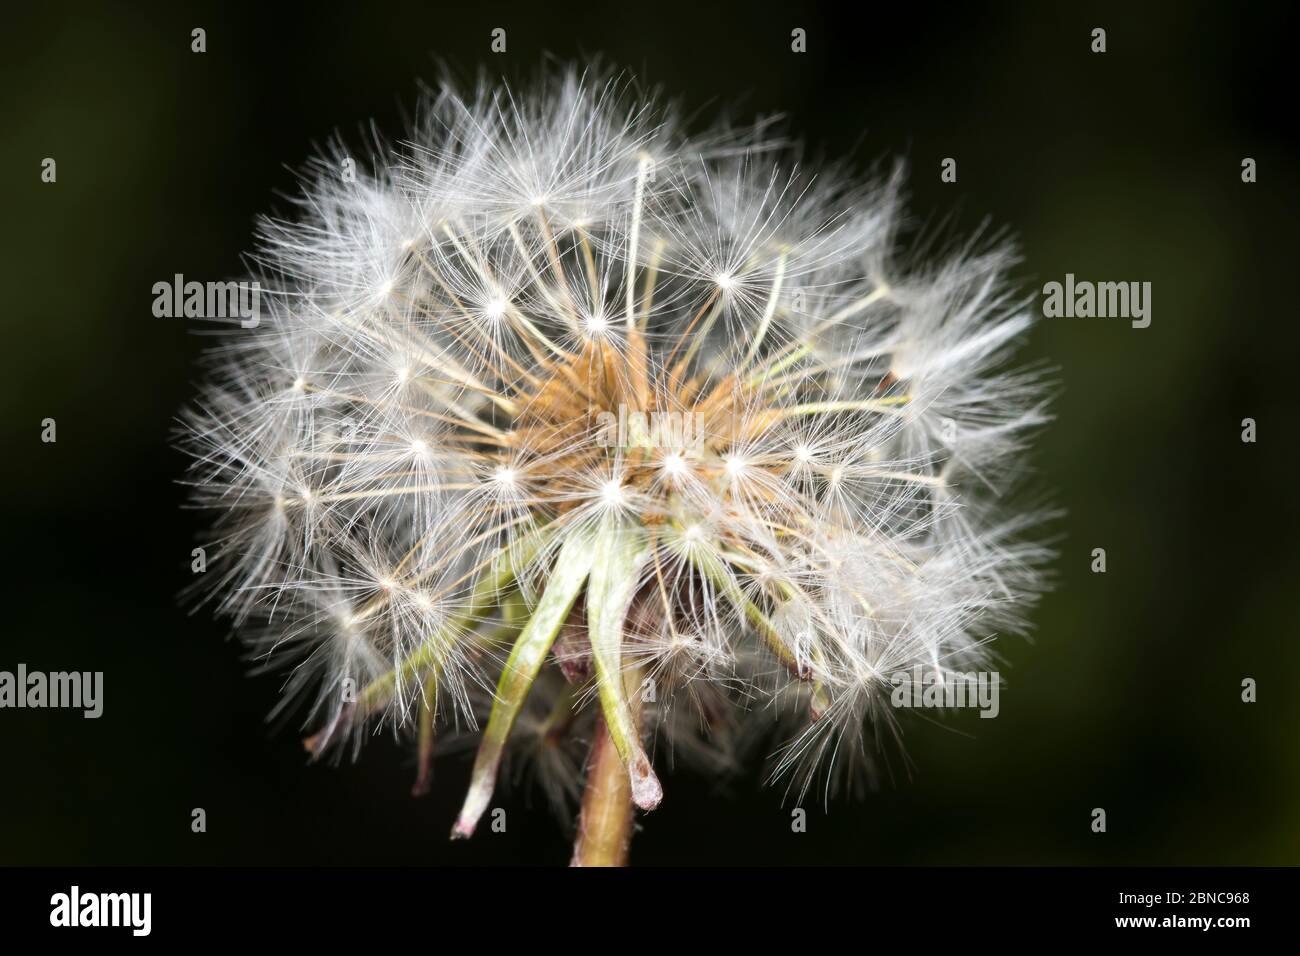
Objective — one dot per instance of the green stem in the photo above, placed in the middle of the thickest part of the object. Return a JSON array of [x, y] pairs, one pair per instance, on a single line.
[[605, 826], [572, 566]]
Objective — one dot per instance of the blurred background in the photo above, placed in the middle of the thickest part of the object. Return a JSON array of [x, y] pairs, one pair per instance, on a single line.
[[1121, 166]]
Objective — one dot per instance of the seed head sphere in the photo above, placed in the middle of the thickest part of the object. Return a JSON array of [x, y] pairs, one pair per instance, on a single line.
[[560, 418]]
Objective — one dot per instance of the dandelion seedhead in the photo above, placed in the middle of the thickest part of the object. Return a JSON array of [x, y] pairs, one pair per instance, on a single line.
[[562, 425]]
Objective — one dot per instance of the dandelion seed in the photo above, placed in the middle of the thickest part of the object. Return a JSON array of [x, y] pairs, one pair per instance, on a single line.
[[814, 495], [675, 465]]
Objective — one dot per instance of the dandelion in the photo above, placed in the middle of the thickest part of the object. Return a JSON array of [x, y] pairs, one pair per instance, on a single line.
[[422, 517]]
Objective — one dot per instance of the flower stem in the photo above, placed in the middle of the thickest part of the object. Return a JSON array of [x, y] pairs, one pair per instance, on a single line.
[[605, 826]]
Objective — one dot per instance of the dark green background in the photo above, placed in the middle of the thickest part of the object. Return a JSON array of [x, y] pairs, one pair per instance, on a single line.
[[1122, 166]]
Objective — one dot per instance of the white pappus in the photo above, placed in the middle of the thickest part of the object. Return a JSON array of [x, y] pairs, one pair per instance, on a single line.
[[422, 517]]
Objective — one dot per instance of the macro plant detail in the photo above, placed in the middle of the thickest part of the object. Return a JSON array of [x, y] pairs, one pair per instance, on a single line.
[[426, 518]]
